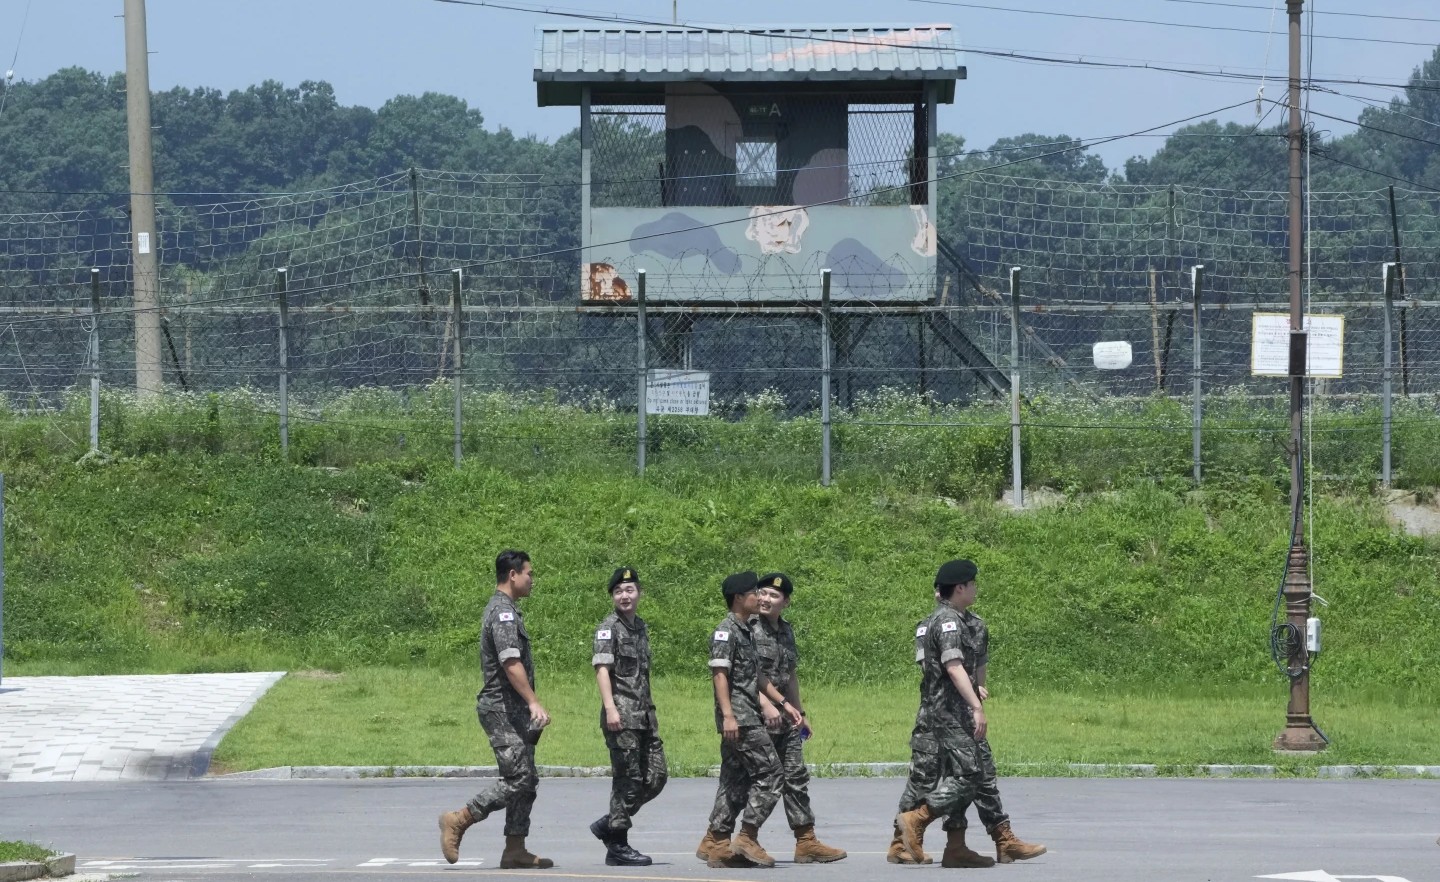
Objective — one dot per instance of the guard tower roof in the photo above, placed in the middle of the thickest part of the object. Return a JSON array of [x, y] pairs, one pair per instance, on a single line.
[[639, 61]]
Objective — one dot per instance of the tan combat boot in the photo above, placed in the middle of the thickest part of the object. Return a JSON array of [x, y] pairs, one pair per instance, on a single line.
[[747, 845], [712, 843], [1009, 848], [452, 827], [515, 857], [897, 853], [809, 850], [912, 826], [959, 855]]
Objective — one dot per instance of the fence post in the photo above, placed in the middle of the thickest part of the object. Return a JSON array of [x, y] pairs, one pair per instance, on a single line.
[[825, 378], [94, 360], [1197, 405], [280, 295], [1386, 376], [1017, 484], [457, 315], [2, 577], [642, 374]]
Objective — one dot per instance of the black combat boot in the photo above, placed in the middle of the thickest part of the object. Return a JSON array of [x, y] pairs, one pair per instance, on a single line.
[[619, 853]]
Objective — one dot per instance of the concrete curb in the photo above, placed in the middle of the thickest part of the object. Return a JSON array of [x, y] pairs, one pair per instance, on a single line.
[[16, 871], [851, 770], [200, 762]]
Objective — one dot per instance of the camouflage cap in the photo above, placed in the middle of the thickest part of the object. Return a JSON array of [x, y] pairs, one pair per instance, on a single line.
[[624, 574], [956, 572], [739, 583], [778, 580]]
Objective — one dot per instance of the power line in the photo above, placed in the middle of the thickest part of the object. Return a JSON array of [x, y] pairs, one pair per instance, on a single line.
[[1147, 21], [1366, 15], [10, 71]]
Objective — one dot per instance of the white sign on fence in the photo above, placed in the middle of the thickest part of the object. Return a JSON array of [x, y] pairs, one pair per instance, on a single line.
[[1324, 345], [686, 393], [1112, 355]]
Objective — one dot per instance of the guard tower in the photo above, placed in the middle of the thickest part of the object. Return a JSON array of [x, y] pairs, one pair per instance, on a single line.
[[733, 165]]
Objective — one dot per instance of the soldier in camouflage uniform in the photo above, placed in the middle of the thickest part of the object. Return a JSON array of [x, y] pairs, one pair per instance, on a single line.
[[749, 767], [512, 717], [627, 718], [951, 712], [779, 658], [926, 767]]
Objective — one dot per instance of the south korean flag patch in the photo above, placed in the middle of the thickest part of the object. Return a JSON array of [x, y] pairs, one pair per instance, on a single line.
[[602, 634], [722, 636], [506, 617], [922, 631], [947, 627]]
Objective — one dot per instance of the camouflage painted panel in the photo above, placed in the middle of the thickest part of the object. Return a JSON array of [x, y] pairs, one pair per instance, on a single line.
[[882, 254]]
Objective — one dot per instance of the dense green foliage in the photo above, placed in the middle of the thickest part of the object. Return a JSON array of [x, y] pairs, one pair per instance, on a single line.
[[197, 549]]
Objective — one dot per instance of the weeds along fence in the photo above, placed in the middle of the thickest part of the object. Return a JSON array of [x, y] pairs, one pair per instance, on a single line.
[[435, 314]]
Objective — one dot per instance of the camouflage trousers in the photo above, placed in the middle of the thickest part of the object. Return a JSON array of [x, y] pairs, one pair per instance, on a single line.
[[794, 782], [514, 791], [750, 779], [960, 776], [637, 772], [925, 775]]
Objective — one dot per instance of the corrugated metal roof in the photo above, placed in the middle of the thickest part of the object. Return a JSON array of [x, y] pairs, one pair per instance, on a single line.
[[639, 55]]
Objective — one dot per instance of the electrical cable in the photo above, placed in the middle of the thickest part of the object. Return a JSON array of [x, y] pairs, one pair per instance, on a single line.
[[10, 71], [1365, 15]]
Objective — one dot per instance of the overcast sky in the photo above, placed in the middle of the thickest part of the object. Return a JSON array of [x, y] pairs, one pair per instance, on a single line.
[[372, 50]]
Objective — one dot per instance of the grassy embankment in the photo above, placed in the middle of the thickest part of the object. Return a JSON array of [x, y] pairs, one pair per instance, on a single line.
[[1130, 623]]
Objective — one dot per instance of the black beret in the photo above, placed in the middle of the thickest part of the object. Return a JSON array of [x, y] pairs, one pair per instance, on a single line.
[[778, 580], [739, 583], [624, 574], [956, 572]]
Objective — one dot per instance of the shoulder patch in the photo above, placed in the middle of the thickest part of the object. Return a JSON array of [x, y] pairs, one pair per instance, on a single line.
[[921, 631], [947, 627], [722, 636], [506, 617], [602, 634]]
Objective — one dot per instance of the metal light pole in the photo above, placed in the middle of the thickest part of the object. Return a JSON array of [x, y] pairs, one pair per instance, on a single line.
[[144, 238], [1300, 733]]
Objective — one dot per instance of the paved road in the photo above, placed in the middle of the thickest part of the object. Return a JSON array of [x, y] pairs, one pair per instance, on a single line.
[[155, 727], [1098, 830]]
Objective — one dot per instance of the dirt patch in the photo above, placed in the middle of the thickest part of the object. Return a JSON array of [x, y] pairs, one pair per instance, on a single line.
[[317, 675], [1405, 508], [1038, 497]]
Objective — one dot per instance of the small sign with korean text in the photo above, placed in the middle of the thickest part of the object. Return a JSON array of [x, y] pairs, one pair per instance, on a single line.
[[1324, 345], [684, 393]]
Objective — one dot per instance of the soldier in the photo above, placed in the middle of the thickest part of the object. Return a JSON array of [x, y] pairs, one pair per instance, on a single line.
[[627, 718], [779, 658], [951, 708], [956, 589], [512, 717], [749, 768]]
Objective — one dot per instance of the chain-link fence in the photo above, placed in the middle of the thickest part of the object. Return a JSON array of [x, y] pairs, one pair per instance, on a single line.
[[376, 321]]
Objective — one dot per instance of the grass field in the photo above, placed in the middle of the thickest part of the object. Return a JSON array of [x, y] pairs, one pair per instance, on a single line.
[[374, 716]]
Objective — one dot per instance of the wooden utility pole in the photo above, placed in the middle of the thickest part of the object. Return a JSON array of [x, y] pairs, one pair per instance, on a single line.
[[1300, 733], [144, 237]]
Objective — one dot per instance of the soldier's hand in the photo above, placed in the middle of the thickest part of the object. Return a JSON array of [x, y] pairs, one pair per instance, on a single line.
[[980, 727], [771, 715], [539, 718], [984, 694], [729, 729], [612, 719], [796, 718]]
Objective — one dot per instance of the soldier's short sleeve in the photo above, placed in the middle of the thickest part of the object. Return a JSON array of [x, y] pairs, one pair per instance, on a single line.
[[604, 647], [722, 647], [505, 634], [949, 640]]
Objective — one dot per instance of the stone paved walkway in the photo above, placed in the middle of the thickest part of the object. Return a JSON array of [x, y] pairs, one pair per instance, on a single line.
[[119, 728]]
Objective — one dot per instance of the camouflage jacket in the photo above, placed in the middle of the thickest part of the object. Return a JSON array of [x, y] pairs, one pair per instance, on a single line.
[[732, 646], [977, 645], [938, 640], [778, 656], [625, 650], [503, 637]]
